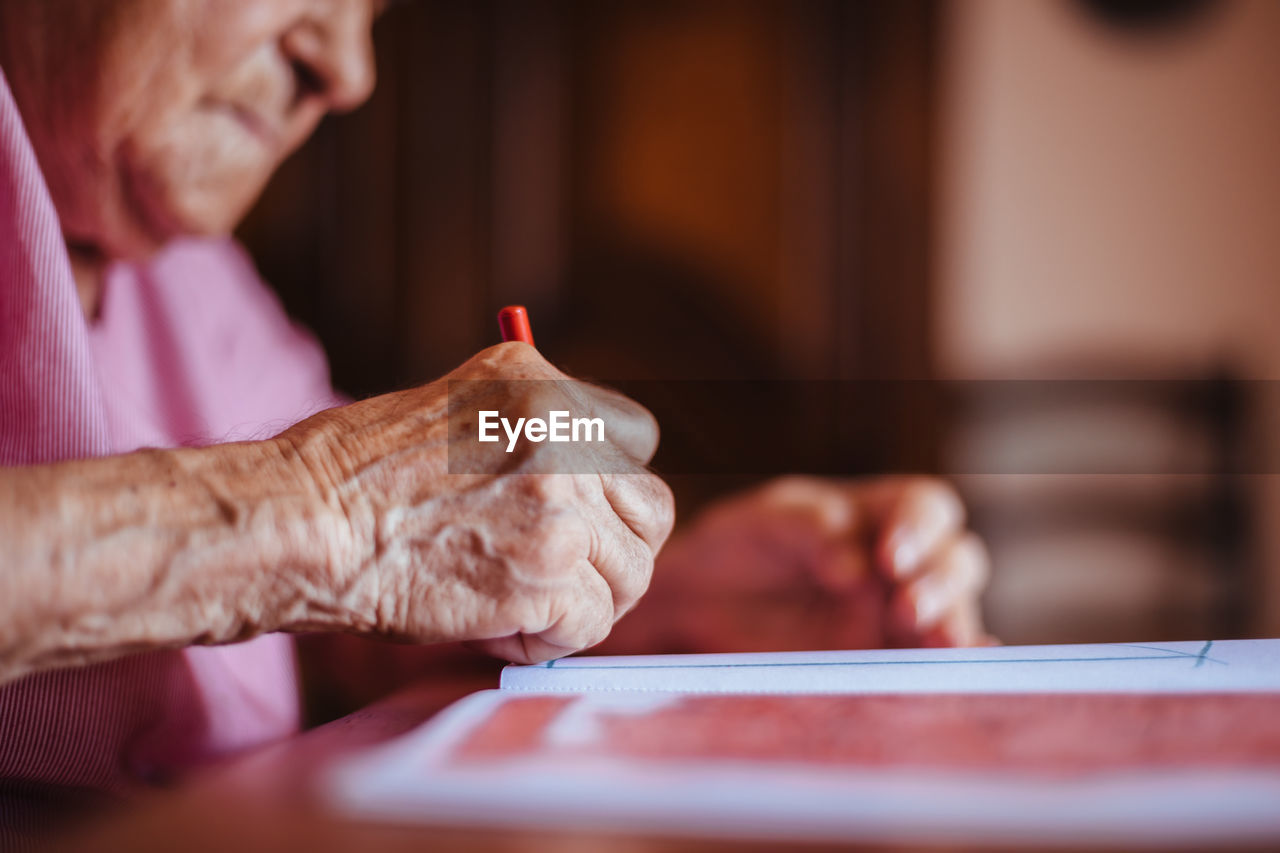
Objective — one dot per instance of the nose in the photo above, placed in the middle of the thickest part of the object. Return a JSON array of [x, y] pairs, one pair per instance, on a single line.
[[332, 51]]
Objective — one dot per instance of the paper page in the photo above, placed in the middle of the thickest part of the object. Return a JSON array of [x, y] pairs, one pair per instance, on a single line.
[[1155, 744], [1042, 768], [1225, 665]]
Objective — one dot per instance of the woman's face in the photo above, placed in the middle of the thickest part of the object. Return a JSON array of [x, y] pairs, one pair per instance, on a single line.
[[157, 118]]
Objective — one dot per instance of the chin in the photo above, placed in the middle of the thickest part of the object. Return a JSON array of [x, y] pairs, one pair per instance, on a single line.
[[182, 190], [207, 211]]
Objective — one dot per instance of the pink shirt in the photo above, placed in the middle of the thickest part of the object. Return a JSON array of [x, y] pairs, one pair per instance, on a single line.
[[190, 349]]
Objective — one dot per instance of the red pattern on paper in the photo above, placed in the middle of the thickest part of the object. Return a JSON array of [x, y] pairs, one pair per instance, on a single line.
[[1041, 734]]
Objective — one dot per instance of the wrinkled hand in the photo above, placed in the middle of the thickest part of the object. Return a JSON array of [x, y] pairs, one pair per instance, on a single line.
[[526, 561], [807, 563]]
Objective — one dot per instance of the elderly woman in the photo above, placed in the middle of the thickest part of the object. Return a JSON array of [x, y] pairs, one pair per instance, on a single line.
[[147, 595]]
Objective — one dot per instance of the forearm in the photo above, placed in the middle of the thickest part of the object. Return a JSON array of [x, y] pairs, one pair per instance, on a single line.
[[154, 549]]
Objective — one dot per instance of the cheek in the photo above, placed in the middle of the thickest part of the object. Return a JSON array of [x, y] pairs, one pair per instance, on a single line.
[[196, 175]]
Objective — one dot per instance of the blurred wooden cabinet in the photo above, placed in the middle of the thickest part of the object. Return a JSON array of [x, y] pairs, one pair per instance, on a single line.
[[760, 167], [679, 189]]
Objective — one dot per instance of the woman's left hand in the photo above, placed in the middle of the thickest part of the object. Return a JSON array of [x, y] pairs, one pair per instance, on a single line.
[[809, 563]]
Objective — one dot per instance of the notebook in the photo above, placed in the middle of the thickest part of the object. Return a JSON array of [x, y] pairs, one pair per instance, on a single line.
[[1153, 743]]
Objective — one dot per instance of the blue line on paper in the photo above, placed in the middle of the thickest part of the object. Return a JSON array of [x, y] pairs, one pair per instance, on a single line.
[[1162, 650], [1171, 654]]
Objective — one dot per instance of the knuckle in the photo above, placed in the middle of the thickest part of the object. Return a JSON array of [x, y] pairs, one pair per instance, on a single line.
[[510, 360], [962, 566], [632, 427], [553, 545], [646, 504], [665, 509], [789, 485], [545, 493], [597, 630], [594, 614], [934, 490], [803, 494], [543, 525], [623, 406], [971, 553], [825, 507], [636, 564], [643, 421]]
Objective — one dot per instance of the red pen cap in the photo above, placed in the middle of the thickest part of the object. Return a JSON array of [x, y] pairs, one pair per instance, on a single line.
[[514, 323]]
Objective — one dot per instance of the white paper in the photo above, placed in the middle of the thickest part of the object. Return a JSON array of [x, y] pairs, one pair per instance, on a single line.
[[411, 780], [1221, 666], [567, 783]]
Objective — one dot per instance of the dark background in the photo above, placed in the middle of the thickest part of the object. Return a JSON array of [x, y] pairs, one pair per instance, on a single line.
[[766, 190]]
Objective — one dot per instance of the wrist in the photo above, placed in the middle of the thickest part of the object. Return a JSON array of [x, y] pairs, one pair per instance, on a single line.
[[257, 538], [364, 465], [307, 539], [156, 549]]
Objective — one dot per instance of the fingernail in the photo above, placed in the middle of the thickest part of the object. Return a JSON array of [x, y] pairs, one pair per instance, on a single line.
[[906, 553], [929, 608]]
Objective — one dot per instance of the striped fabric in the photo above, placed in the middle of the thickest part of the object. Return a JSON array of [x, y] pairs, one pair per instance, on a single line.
[[50, 407], [189, 349]]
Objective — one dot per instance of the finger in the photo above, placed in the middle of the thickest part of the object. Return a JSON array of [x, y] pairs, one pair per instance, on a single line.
[[799, 513], [824, 503], [644, 503], [954, 575], [903, 518], [960, 627], [628, 425], [585, 620], [517, 649], [579, 623], [912, 520], [841, 568], [513, 360], [624, 560], [861, 619], [802, 520]]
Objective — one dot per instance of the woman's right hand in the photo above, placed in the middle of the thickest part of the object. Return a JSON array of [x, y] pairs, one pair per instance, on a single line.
[[531, 555]]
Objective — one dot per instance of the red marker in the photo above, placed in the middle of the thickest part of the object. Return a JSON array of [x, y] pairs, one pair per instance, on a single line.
[[514, 323]]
